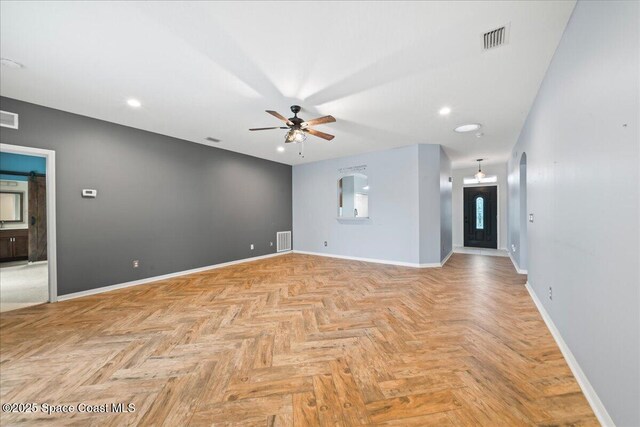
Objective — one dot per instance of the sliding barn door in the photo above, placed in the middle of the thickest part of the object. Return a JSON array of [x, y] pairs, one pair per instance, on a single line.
[[37, 218]]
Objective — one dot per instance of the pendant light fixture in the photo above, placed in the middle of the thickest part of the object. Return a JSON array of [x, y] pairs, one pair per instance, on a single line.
[[479, 175]]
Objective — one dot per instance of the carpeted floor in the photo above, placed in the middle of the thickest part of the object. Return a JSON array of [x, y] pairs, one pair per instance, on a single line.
[[23, 284]]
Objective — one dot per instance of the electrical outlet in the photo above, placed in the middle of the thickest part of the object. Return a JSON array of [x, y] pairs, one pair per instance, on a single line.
[[270, 243], [252, 247], [550, 293], [325, 243], [136, 263], [530, 217]]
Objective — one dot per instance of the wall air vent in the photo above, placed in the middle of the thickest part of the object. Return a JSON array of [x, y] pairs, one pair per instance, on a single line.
[[211, 139], [8, 120], [283, 239], [495, 38]]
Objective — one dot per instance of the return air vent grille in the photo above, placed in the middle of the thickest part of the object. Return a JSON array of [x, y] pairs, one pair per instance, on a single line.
[[495, 38], [8, 120], [283, 239]]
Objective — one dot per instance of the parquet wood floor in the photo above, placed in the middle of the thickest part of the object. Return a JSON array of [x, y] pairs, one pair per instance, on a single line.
[[297, 340]]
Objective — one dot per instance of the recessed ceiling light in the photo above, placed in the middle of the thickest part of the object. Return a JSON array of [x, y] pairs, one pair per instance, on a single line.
[[280, 149], [10, 63], [132, 102], [468, 128], [444, 111]]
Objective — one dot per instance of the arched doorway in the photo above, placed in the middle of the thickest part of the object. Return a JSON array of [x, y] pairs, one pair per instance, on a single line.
[[523, 212]]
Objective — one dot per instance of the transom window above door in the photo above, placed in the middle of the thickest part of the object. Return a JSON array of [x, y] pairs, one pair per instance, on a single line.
[[487, 179]]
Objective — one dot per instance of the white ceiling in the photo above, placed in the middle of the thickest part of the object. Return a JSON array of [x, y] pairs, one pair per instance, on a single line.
[[383, 69]]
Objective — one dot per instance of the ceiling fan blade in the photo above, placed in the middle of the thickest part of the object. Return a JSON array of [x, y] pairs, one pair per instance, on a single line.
[[276, 127], [318, 121], [319, 134], [279, 116]]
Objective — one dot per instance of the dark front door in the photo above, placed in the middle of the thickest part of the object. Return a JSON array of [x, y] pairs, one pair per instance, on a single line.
[[481, 217]]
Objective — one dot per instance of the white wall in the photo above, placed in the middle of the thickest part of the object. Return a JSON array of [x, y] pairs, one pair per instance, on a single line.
[[406, 199], [429, 194], [390, 234], [500, 170], [434, 188], [446, 191], [582, 144], [24, 187]]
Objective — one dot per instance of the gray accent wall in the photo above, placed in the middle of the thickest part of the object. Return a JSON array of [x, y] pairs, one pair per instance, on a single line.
[[582, 145], [407, 223], [172, 204]]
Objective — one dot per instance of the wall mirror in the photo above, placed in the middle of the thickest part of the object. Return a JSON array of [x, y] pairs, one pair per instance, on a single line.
[[353, 197], [11, 203]]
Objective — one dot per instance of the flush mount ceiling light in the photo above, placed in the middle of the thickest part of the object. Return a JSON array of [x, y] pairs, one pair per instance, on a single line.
[[10, 63], [444, 111], [468, 127], [479, 175], [134, 103], [280, 149]]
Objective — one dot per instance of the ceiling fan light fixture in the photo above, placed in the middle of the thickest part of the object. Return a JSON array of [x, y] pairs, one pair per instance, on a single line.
[[295, 135], [468, 128]]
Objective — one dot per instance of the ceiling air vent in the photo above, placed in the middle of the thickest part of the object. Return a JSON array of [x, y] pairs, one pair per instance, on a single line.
[[495, 38], [8, 120], [211, 139]]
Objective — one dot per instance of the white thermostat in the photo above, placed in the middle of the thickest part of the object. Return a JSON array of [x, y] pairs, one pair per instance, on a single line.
[[89, 194]]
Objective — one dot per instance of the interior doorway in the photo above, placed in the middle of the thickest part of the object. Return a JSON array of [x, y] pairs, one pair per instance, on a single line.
[[27, 227], [481, 217]]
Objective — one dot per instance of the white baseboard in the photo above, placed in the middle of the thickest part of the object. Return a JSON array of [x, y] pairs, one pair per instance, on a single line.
[[515, 265], [596, 404], [444, 261], [163, 277], [374, 260]]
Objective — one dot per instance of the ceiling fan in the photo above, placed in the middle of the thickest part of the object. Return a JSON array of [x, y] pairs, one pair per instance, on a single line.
[[298, 128]]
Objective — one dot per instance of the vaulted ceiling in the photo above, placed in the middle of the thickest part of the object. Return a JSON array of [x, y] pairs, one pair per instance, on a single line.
[[382, 69]]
